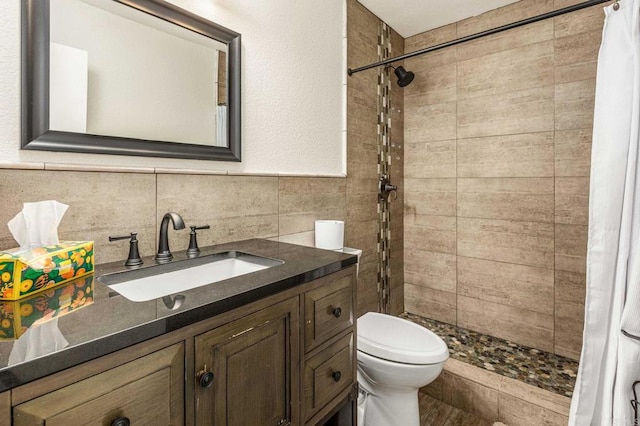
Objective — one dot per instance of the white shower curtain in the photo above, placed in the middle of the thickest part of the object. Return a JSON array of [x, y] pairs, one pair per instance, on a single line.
[[610, 360]]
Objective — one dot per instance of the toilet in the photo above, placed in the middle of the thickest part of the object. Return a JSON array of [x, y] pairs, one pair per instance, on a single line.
[[395, 359]]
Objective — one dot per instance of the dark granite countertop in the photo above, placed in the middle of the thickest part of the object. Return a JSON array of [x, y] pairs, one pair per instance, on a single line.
[[112, 322]]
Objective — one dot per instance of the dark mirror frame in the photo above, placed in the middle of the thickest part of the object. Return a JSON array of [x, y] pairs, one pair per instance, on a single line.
[[36, 134]]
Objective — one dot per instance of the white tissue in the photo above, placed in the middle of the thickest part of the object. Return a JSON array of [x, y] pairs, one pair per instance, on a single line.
[[39, 339], [37, 224]]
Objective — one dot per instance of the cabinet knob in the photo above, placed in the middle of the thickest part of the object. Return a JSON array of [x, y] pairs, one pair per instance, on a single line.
[[121, 421], [284, 422], [337, 312], [337, 375], [205, 378]]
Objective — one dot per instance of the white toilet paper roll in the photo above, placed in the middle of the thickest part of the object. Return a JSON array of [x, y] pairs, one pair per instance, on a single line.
[[329, 234]]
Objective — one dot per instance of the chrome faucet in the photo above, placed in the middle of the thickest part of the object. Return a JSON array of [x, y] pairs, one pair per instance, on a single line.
[[164, 255]]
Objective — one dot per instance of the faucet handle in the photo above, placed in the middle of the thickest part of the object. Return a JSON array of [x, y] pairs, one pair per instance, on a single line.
[[134, 255], [193, 249]]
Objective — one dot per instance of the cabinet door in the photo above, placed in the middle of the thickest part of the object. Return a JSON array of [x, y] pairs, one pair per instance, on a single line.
[[147, 391], [248, 369]]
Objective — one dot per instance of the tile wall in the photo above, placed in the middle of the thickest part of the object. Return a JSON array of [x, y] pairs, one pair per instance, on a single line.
[[116, 203], [497, 157], [361, 227]]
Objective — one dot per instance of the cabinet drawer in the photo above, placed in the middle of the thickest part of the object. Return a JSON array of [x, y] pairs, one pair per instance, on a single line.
[[147, 391], [328, 311], [327, 374]]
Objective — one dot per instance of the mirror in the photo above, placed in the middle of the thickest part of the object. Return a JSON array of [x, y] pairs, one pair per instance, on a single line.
[[117, 80]]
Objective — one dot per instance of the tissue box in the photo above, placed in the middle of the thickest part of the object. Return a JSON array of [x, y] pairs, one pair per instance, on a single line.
[[16, 317], [25, 272]]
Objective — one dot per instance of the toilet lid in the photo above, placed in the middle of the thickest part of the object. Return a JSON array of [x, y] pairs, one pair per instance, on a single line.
[[399, 340]]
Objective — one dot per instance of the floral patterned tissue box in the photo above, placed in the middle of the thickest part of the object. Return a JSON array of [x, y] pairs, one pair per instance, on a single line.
[[25, 272], [17, 316]]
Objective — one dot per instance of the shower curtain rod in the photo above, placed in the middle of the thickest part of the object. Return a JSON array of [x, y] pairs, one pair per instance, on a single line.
[[482, 34]]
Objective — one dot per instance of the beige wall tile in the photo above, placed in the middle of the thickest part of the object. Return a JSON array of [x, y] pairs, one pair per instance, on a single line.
[[473, 373], [518, 286], [518, 412], [572, 200], [567, 262], [362, 207], [430, 159], [359, 90], [570, 292], [434, 389], [522, 155], [430, 303], [362, 32], [430, 197], [301, 239], [428, 269], [302, 201], [522, 102], [432, 85], [358, 111], [506, 71], [361, 186], [504, 15], [363, 157], [525, 199], [365, 127], [470, 396], [545, 399], [523, 243], [426, 123], [573, 152], [578, 22], [524, 111], [568, 336], [578, 36], [100, 205], [576, 56], [571, 247], [570, 287], [430, 239], [430, 38], [518, 325], [529, 34], [236, 207], [574, 105]]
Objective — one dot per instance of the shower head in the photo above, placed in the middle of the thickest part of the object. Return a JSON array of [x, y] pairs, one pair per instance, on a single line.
[[404, 77]]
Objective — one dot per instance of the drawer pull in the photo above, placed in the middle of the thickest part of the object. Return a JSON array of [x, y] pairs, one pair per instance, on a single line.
[[337, 312], [121, 421], [205, 378], [337, 375]]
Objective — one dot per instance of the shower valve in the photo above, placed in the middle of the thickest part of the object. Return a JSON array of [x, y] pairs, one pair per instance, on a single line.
[[386, 188]]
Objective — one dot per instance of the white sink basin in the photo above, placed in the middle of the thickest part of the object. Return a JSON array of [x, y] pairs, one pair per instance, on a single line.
[[145, 284]]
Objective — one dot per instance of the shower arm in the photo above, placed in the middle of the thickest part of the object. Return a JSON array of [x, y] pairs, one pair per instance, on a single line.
[[471, 37]]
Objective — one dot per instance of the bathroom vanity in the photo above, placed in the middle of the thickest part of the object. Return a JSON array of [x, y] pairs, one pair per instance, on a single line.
[[273, 347]]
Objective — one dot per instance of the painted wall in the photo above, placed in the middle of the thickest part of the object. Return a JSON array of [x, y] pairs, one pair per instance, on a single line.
[[498, 142], [293, 89]]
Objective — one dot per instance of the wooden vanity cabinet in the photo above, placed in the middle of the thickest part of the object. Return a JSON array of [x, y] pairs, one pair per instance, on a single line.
[[145, 391], [248, 370], [255, 365], [329, 373]]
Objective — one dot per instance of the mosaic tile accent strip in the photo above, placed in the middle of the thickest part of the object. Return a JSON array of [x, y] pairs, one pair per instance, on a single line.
[[535, 367], [384, 163]]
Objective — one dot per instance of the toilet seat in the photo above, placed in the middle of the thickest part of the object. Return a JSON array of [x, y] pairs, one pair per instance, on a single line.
[[398, 340]]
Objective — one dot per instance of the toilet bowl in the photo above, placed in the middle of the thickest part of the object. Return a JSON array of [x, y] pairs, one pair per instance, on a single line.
[[395, 359]]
